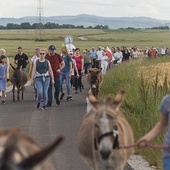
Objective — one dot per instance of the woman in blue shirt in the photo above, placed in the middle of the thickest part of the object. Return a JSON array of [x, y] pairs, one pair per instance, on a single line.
[[66, 73]]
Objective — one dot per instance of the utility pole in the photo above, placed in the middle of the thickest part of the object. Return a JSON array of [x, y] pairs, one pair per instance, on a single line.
[[39, 26]]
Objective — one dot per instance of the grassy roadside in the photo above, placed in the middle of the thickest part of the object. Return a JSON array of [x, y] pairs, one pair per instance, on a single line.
[[141, 100]]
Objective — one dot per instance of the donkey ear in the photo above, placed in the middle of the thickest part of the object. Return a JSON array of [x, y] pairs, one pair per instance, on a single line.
[[38, 157], [118, 99], [12, 66]]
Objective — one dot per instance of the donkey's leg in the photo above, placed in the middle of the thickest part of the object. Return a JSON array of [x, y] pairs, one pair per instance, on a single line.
[[22, 90], [18, 93], [13, 92]]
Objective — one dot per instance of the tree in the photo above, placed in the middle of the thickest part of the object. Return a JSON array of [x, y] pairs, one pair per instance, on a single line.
[[25, 25]]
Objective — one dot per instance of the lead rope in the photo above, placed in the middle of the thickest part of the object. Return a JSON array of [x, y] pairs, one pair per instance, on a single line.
[[148, 144]]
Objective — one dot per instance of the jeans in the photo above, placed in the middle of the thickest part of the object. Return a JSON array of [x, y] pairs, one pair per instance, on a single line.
[[65, 76], [78, 81], [42, 89], [87, 66], [166, 163], [56, 90], [104, 68], [97, 64]]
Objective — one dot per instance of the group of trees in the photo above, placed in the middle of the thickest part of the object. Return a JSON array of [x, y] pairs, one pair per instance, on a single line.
[[48, 25]]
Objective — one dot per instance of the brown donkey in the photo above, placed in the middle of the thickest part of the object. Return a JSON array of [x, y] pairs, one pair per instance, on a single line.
[[18, 151], [18, 79], [103, 130], [95, 80]]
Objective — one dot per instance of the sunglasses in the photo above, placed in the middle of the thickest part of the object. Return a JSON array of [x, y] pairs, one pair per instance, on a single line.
[[42, 53]]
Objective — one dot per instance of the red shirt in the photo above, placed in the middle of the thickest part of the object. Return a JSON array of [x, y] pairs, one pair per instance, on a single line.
[[78, 61], [55, 61]]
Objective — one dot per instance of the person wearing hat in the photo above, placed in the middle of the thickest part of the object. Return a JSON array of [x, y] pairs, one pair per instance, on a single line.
[[57, 64]]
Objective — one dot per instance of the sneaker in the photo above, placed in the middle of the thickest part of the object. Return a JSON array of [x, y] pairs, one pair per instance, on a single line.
[[62, 95], [44, 108], [3, 102], [70, 97], [67, 98], [57, 101], [38, 105], [49, 104]]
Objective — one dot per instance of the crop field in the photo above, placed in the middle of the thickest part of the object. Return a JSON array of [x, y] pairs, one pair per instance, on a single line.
[[12, 39]]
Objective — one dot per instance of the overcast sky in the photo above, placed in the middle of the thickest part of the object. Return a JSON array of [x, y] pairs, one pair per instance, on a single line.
[[159, 9]]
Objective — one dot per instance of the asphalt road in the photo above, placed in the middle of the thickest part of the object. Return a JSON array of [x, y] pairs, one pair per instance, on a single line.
[[44, 126]]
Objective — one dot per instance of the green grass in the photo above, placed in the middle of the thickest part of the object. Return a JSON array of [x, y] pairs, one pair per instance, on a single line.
[[11, 39]]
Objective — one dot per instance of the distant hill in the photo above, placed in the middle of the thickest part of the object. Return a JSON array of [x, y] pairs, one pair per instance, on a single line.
[[93, 20]]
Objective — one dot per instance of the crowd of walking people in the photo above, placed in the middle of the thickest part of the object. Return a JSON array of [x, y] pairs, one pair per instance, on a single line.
[[49, 68]]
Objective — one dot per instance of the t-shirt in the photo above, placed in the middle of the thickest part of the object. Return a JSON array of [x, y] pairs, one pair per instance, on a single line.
[[104, 60], [55, 61], [99, 54], [93, 54], [67, 60], [87, 59], [165, 110], [34, 58], [42, 67], [78, 61], [22, 60]]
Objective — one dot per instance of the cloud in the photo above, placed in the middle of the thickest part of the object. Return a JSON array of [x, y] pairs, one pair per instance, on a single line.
[[109, 8]]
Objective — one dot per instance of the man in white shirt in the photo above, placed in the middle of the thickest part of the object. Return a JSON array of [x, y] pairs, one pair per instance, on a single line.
[[99, 56], [118, 56]]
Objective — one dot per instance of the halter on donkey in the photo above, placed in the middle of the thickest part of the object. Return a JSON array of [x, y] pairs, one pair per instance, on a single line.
[[18, 79]]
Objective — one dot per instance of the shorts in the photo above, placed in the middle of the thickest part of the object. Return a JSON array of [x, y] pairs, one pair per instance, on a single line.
[[166, 163]]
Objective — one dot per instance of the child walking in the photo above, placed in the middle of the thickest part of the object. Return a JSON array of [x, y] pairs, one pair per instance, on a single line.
[[3, 76]]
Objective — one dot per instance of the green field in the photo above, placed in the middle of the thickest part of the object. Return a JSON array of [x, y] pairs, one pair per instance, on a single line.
[[11, 39]]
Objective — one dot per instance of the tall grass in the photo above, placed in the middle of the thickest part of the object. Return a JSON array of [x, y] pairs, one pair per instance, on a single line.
[[142, 98]]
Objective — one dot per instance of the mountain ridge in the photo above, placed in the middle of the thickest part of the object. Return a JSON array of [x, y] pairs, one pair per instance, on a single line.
[[92, 20]]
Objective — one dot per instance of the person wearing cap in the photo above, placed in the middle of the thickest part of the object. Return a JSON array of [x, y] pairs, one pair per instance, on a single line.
[[57, 64]]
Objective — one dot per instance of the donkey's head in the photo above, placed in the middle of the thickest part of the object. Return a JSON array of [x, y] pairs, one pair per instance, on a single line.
[[20, 152], [94, 80], [17, 74], [106, 129], [94, 77]]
